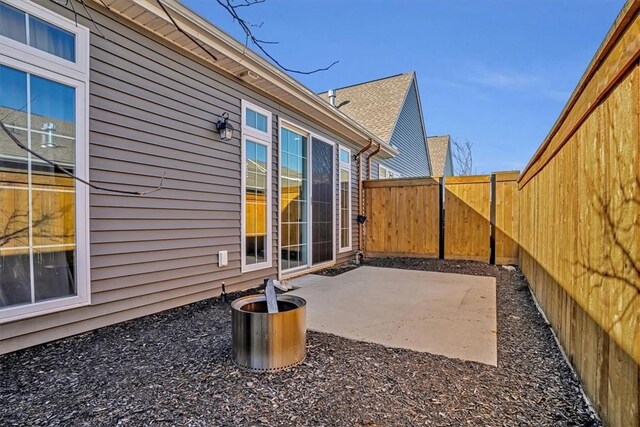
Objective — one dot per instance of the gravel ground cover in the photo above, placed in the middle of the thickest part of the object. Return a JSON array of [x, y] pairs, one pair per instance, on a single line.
[[174, 368]]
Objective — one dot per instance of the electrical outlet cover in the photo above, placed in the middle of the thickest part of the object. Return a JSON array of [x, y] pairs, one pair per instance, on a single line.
[[223, 258]]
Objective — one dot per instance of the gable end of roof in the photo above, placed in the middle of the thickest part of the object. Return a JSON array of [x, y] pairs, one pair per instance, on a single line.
[[376, 104]]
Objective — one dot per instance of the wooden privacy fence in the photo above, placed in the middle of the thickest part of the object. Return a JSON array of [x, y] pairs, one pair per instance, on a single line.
[[472, 217], [580, 225]]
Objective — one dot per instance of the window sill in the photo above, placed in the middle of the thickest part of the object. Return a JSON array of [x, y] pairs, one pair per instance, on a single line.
[[21, 312], [256, 267]]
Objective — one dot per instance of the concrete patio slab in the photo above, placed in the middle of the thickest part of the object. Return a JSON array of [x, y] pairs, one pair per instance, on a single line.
[[453, 315]]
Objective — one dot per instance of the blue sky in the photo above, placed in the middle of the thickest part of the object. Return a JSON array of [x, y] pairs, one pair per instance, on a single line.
[[495, 73]]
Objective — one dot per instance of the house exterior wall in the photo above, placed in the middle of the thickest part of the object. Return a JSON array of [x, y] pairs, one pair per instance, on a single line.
[[409, 136], [153, 109]]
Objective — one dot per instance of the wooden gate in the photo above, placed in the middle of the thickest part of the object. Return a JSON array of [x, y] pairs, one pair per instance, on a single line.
[[467, 217], [402, 217]]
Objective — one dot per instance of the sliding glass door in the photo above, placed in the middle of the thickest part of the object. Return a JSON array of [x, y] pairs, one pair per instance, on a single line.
[[307, 229], [294, 200], [322, 233]]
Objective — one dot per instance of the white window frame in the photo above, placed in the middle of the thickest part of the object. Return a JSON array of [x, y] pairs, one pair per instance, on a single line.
[[76, 74], [248, 130], [262, 138], [391, 174], [347, 168]]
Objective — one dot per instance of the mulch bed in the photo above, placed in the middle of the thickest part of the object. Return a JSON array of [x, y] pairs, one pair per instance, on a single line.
[[338, 269], [174, 368]]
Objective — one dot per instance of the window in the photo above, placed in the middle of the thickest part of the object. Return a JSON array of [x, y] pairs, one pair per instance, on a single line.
[[256, 184], [27, 29], [256, 120], [44, 248], [387, 173], [345, 199]]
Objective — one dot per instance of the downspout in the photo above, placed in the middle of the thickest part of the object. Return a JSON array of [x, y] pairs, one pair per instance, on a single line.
[[362, 227], [358, 158]]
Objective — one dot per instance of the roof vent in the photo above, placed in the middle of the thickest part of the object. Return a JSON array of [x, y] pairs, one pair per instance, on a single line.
[[332, 97]]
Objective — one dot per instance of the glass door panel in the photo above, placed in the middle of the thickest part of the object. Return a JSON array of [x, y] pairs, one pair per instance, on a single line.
[[322, 205], [293, 200]]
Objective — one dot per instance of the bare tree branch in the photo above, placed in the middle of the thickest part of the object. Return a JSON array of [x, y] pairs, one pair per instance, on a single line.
[[84, 6], [246, 27], [59, 168], [249, 3], [193, 39], [463, 157]]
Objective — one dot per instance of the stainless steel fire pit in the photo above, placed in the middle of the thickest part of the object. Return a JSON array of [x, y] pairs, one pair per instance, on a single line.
[[265, 341]]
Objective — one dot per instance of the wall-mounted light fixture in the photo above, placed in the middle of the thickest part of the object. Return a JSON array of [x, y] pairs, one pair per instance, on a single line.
[[224, 127]]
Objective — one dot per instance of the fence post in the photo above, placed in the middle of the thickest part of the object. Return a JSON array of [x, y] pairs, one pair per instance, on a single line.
[[441, 222], [492, 224]]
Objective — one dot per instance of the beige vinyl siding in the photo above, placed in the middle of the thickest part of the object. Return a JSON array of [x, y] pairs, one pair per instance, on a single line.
[[375, 165], [375, 169], [152, 110]]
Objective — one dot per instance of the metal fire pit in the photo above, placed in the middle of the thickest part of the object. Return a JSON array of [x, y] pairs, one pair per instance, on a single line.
[[265, 341]]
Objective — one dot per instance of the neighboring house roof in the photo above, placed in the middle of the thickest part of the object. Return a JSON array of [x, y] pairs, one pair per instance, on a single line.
[[439, 153], [376, 104], [235, 58]]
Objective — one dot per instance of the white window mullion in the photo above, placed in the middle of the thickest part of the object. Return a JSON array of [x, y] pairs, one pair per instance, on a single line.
[[32, 283], [26, 26]]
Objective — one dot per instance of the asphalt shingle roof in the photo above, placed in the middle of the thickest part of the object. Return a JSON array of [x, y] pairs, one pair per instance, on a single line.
[[439, 147], [63, 152], [375, 105]]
